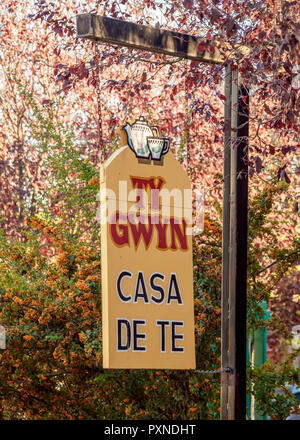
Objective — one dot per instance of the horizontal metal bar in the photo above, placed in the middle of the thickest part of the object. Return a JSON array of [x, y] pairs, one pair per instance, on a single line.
[[124, 33]]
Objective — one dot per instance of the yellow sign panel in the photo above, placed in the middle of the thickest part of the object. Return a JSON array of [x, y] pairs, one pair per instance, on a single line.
[[146, 252]]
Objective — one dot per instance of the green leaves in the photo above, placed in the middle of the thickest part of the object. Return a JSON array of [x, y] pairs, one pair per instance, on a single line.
[[272, 389]]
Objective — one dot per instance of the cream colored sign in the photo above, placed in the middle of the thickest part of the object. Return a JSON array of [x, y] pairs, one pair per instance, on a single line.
[[147, 272]]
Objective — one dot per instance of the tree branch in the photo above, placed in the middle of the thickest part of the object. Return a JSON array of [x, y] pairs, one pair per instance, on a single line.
[[279, 259]]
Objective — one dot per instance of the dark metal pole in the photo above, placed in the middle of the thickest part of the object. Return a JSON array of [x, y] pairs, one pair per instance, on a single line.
[[242, 250], [225, 246], [238, 251]]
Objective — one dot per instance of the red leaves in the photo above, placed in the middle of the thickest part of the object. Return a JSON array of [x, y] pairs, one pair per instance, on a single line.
[[202, 47], [267, 109], [206, 45], [68, 76], [271, 150], [214, 119], [82, 72], [215, 15], [281, 174], [262, 36], [59, 26], [188, 4], [287, 68], [264, 56], [248, 62], [56, 51], [258, 164], [277, 123], [253, 35], [222, 97]]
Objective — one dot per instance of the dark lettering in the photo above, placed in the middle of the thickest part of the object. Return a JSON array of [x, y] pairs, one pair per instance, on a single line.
[[162, 325], [121, 323], [175, 336], [136, 335], [123, 274], [140, 290], [174, 286], [157, 288]]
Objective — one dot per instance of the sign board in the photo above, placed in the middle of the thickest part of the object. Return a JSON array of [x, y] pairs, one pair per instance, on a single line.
[[146, 252]]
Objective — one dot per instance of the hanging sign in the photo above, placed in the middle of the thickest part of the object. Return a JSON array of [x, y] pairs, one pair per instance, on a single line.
[[146, 252]]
